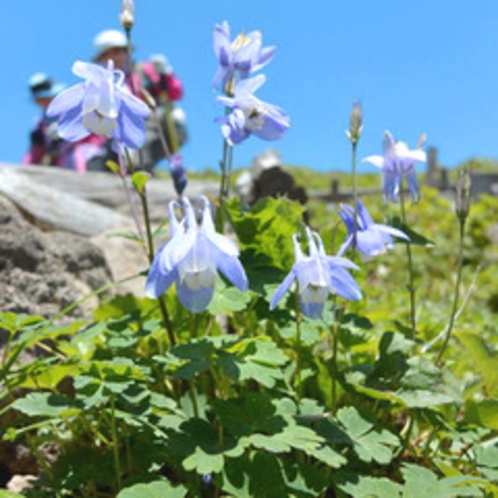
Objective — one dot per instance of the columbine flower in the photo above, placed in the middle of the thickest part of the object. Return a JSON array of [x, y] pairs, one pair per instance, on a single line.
[[102, 104], [371, 238], [249, 115], [192, 258], [239, 58], [317, 275], [399, 161]]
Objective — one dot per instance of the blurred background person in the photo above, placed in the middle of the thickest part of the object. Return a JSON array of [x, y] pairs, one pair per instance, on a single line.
[[159, 81], [46, 147]]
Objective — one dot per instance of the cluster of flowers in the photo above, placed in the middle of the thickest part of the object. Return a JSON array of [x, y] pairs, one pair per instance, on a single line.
[[246, 115], [195, 253]]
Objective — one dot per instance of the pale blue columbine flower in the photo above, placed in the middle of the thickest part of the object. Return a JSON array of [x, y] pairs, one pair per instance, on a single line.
[[398, 161], [239, 58], [102, 104], [371, 238], [317, 276], [249, 115], [192, 257]]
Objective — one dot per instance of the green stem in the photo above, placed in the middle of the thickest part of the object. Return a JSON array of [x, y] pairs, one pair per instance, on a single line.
[[166, 321], [126, 188], [354, 147], [225, 171], [411, 277], [407, 434], [150, 255], [193, 397], [115, 442], [335, 346], [456, 296], [148, 230], [298, 351]]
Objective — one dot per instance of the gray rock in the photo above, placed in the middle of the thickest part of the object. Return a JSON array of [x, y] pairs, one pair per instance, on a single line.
[[42, 272]]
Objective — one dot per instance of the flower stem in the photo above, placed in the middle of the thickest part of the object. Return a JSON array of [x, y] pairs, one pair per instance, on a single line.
[[456, 296], [115, 442], [335, 346], [354, 148], [126, 187], [298, 351], [150, 255], [226, 167], [411, 277]]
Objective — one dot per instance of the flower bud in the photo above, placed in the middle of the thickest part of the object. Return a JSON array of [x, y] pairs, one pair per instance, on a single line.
[[355, 123], [127, 14], [178, 173], [463, 195]]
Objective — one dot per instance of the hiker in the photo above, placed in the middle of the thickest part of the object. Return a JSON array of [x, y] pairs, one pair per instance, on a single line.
[[158, 80], [46, 147]]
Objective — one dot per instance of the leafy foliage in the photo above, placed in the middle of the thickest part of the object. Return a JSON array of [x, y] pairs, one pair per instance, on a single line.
[[252, 403]]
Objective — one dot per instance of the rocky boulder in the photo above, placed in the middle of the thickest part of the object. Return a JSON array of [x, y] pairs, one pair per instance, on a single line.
[[43, 272]]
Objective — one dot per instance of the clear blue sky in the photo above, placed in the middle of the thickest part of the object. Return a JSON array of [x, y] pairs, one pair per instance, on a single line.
[[416, 65]]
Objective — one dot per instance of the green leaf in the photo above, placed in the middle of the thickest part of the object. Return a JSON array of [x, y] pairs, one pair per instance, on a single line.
[[113, 166], [156, 489], [266, 230], [248, 415], [139, 180], [46, 376], [420, 481], [483, 412], [487, 458], [204, 462], [259, 359], [367, 487], [416, 239], [368, 443], [46, 404], [328, 456], [423, 385], [193, 358], [9, 494], [227, 299], [266, 476], [122, 305], [485, 360]]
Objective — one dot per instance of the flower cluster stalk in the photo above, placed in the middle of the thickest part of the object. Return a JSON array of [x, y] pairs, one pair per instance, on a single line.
[[462, 208], [456, 295], [411, 275], [115, 442]]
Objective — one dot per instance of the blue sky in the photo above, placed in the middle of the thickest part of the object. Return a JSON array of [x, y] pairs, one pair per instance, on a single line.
[[416, 66]]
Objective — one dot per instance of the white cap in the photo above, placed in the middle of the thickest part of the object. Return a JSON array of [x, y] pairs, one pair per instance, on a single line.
[[108, 39]]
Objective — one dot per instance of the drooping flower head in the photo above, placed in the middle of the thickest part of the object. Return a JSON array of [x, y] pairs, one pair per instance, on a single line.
[[239, 58], [317, 276], [192, 257], [102, 104], [372, 238], [249, 115], [399, 161]]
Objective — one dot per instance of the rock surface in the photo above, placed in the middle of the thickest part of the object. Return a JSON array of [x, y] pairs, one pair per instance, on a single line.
[[43, 272]]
